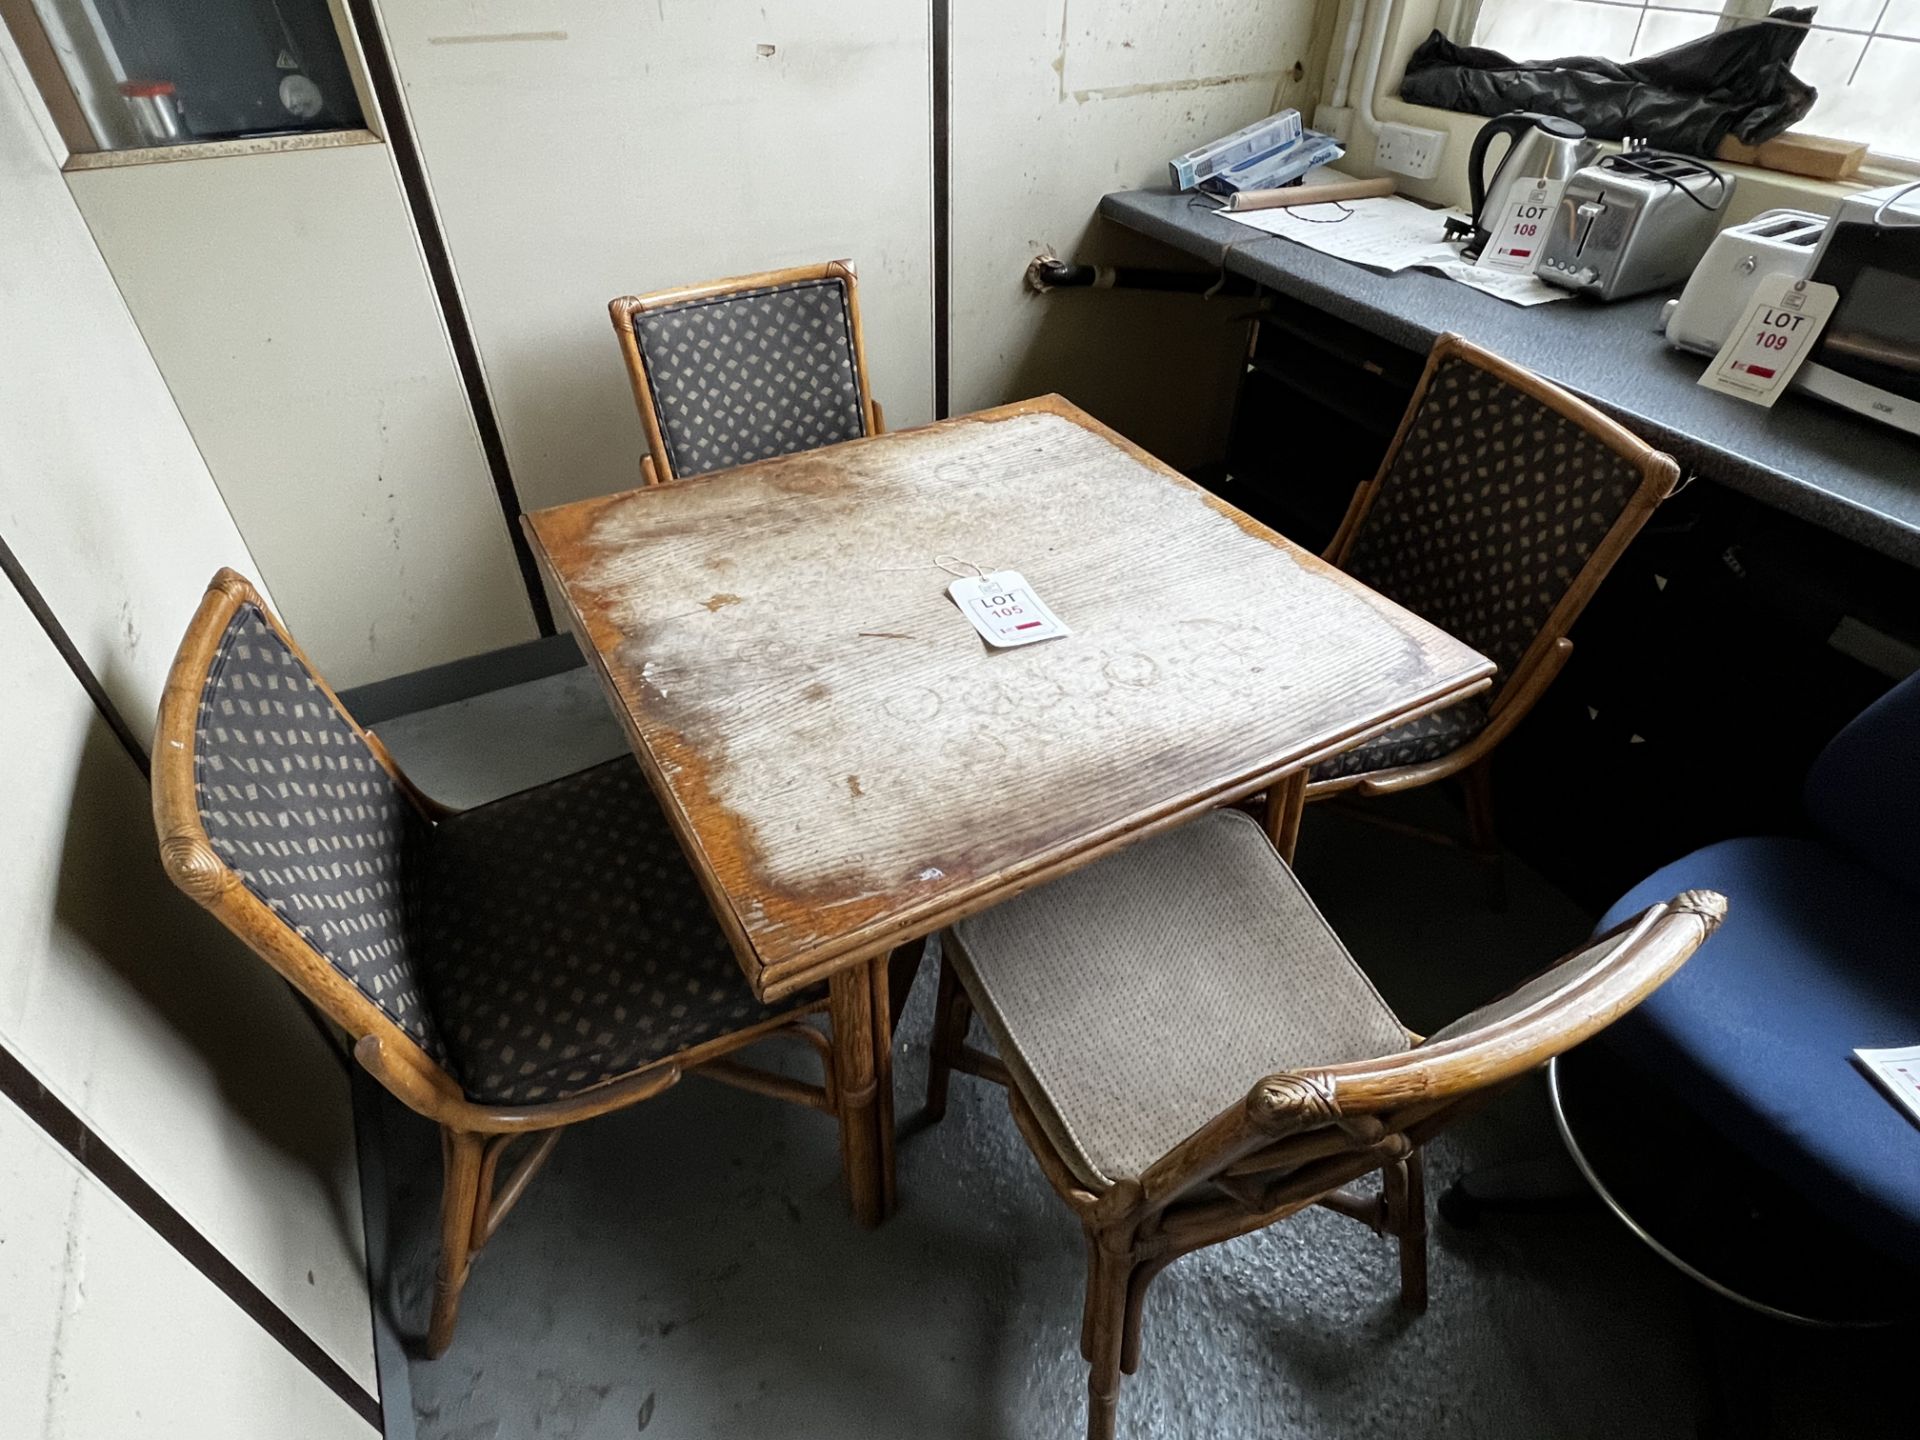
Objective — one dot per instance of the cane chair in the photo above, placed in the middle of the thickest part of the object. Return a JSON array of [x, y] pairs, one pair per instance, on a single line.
[[506, 971], [733, 371], [1501, 505], [1192, 1055]]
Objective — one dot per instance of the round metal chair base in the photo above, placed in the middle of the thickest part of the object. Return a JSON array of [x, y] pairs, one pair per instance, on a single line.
[[1709, 1211]]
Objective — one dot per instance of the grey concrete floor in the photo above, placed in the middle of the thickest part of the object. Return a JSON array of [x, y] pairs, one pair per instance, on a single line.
[[688, 1268]]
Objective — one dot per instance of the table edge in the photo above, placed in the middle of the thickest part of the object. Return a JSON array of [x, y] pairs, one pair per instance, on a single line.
[[777, 979], [876, 938]]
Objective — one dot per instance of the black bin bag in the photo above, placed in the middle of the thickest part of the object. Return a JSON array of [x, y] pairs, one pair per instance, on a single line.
[[1690, 98]]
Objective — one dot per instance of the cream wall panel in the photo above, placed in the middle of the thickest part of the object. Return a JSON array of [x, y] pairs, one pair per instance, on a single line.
[[184, 1053], [286, 302], [1055, 103], [583, 149], [107, 1331], [103, 496]]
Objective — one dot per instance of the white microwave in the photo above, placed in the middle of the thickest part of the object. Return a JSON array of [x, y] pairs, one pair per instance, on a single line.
[[1868, 357]]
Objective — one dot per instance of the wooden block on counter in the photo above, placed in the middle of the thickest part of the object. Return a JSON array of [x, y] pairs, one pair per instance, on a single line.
[[1796, 154]]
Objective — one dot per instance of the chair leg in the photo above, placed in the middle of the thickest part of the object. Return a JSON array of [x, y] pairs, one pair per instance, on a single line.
[[1477, 781], [903, 968], [1406, 1196], [1286, 804], [459, 1203], [1107, 1282], [1137, 1284], [951, 1013]]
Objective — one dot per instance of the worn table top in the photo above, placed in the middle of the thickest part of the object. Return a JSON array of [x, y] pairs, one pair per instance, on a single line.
[[850, 766], [1838, 470]]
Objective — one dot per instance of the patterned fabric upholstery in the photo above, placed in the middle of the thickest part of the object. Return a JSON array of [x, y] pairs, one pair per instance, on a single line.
[[751, 375], [1427, 738], [295, 802], [1136, 999], [1493, 505], [567, 942], [536, 946]]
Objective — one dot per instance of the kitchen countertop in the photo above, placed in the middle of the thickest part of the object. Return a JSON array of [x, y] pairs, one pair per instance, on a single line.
[[1841, 471]]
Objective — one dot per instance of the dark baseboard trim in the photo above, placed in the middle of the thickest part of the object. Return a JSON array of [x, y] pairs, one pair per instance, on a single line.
[[383, 700], [79, 1140]]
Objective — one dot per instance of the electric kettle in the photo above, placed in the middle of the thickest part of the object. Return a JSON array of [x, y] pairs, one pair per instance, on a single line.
[[1541, 147]]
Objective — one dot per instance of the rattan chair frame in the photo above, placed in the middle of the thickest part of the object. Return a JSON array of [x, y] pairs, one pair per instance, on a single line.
[[656, 466], [474, 1137], [1301, 1138]]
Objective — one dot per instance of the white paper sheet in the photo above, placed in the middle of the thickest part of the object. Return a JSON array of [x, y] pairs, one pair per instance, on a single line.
[[1514, 289], [1898, 1073], [1390, 234], [1382, 233]]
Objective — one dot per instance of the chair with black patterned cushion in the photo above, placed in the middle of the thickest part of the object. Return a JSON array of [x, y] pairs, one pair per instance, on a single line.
[[1134, 1006], [733, 371], [505, 971], [1501, 505]]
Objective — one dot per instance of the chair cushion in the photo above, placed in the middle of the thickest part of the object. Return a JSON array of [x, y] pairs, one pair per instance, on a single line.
[[296, 802], [564, 941], [1863, 793], [1136, 999], [1489, 511], [753, 374], [1817, 956], [1427, 738]]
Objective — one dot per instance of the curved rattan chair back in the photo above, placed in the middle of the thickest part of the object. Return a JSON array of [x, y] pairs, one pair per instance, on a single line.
[[740, 370], [288, 821], [1501, 505], [1306, 1132]]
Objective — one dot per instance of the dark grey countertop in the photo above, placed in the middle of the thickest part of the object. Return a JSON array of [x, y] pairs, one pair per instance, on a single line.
[[1840, 471]]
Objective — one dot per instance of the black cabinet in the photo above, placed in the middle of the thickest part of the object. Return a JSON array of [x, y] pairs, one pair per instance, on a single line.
[[1319, 402], [1726, 648]]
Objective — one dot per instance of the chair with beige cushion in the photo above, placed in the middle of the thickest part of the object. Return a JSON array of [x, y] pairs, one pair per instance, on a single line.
[[1501, 505], [1192, 1055], [506, 971], [732, 371]]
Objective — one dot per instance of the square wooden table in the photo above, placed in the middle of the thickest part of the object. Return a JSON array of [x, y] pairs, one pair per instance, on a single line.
[[850, 767]]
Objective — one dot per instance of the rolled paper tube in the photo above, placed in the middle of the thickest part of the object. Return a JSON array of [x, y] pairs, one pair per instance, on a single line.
[[1318, 194]]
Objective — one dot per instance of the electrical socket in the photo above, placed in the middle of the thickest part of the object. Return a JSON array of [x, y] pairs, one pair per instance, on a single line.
[[1334, 120], [1409, 150]]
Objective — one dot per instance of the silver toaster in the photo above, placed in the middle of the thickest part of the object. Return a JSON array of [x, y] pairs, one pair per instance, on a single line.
[[1633, 222], [1775, 242]]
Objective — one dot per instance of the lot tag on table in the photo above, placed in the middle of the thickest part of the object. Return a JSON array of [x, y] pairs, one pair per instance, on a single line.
[[1516, 240], [1760, 357], [1004, 609]]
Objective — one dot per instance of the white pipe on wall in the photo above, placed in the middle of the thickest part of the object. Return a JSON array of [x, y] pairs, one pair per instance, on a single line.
[[1374, 47], [1356, 13]]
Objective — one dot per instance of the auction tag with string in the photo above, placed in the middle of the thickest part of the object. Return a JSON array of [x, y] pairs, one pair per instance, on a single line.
[[1515, 242], [1760, 357], [1004, 609]]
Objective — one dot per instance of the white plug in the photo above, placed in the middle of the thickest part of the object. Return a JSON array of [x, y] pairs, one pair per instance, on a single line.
[[1410, 150]]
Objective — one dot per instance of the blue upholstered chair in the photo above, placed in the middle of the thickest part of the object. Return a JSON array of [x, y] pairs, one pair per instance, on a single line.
[[732, 371], [1819, 955]]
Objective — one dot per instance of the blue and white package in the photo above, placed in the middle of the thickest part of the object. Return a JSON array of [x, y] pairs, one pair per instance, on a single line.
[[1283, 167], [1257, 141]]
